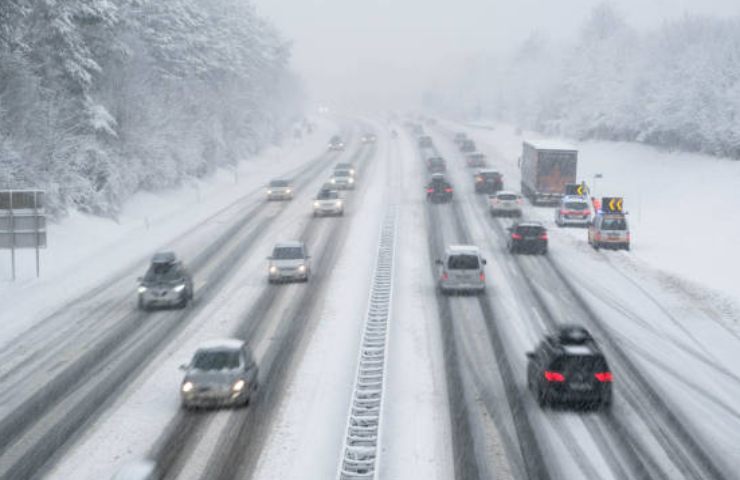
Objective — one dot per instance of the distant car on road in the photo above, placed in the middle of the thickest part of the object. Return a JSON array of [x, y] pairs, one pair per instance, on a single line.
[[328, 202], [467, 146], [369, 138], [167, 283], [343, 180], [528, 237], [336, 143], [461, 270], [568, 367], [436, 165], [573, 210], [279, 190], [439, 190], [289, 261], [425, 141], [475, 159], [488, 181], [460, 137], [505, 204], [221, 373], [609, 230], [346, 166]]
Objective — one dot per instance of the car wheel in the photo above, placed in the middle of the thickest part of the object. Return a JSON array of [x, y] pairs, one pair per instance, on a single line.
[[143, 305], [595, 245], [183, 302], [541, 397], [627, 247]]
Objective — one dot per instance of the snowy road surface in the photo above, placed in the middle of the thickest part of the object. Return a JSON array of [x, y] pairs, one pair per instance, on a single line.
[[90, 384]]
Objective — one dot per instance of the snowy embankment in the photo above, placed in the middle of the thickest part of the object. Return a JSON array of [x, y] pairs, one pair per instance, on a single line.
[[85, 251], [682, 206]]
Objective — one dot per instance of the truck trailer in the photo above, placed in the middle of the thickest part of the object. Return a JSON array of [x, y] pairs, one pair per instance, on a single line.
[[546, 169]]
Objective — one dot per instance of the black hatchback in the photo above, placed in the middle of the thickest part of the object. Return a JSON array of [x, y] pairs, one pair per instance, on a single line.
[[529, 237], [569, 368]]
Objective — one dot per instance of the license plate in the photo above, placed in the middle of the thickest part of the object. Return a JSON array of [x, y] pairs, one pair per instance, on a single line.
[[579, 386]]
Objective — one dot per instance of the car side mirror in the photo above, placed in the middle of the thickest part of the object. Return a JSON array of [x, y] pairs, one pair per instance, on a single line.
[[484, 261], [530, 355], [184, 366]]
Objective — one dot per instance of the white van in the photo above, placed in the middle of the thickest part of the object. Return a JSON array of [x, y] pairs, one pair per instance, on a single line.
[[461, 270]]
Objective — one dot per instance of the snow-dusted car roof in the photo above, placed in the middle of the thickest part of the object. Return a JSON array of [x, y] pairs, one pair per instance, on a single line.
[[463, 249], [289, 243], [222, 343], [551, 145]]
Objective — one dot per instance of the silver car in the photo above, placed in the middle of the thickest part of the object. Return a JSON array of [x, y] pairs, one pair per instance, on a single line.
[[461, 270], [279, 190], [289, 261], [221, 373], [505, 203], [343, 180], [328, 202]]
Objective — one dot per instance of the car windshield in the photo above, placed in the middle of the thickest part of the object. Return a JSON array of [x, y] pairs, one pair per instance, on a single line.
[[506, 196], [342, 173], [327, 195], [216, 360], [162, 272], [287, 253], [463, 262], [580, 206], [490, 175], [614, 224], [279, 183]]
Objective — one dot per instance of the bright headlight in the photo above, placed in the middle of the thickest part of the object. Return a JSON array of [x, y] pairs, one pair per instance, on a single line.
[[352, 171], [333, 180], [142, 289], [351, 180], [339, 203], [187, 386], [179, 288], [238, 386], [302, 268], [316, 204], [288, 191], [273, 269], [269, 192]]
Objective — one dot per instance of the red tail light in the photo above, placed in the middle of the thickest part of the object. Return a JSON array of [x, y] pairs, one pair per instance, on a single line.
[[478, 179], [445, 276], [604, 377], [597, 236], [448, 190], [430, 190], [482, 277], [629, 236], [516, 236], [543, 236], [519, 201], [554, 376], [563, 212]]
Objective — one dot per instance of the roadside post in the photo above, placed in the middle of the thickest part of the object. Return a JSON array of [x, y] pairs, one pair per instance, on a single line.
[[22, 224]]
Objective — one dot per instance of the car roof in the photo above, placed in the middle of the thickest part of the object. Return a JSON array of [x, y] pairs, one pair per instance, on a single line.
[[529, 223], [289, 244], [574, 198], [487, 170], [164, 257], [551, 145], [222, 344], [475, 154], [463, 249], [506, 192]]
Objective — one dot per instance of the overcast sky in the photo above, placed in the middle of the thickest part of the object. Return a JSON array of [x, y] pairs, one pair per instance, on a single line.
[[382, 51]]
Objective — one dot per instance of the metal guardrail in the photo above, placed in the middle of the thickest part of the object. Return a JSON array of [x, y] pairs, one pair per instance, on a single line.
[[360, 450]]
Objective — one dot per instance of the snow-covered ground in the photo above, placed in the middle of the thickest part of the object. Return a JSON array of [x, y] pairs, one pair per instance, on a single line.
[[85, 251], [683, 207]]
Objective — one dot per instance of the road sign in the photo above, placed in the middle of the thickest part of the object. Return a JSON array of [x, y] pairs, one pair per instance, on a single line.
[[612, 204], [576, 189], [22, 222]]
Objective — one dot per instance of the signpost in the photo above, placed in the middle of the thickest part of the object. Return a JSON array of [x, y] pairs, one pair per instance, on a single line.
[[576, 189], [22, 223], [612, 204]]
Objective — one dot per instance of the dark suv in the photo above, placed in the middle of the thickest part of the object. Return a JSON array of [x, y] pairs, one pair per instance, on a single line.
[[530, 237], [166, 284], [488, 181], [439, 189], [569, 368]]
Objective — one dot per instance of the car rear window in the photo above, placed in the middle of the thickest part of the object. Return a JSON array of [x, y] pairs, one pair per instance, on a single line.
[[216, 360], [162, 272], [579, 363], [463, 262], [506, 196], [287, 253], [491, 175], [614, 224], [576, 206], [530, 230], [279, 183]]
